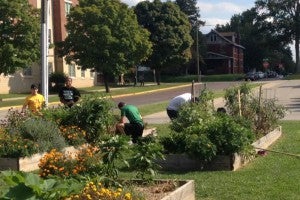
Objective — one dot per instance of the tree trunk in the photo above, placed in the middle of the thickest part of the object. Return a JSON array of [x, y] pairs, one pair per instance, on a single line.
[[297, 56], [157, 74], [105, 78]]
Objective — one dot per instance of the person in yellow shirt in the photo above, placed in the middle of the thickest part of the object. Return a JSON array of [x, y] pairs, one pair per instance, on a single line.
[[35, 101]]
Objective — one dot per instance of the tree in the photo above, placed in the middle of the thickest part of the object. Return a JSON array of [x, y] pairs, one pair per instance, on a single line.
[[105, 36], [284, 21], [170, 34], [189, 7], [19, 35]]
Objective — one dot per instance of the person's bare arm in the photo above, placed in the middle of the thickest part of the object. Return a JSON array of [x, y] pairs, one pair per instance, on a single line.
[[122, 120]]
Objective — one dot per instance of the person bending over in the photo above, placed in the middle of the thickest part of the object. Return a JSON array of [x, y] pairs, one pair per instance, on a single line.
[[177, 102], [135, 127]]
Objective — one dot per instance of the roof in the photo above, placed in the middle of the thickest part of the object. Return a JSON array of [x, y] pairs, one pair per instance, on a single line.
[[218, 56], [222, 35]]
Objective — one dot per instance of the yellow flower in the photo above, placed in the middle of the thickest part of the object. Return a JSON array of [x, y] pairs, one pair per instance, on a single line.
[[128, 196]]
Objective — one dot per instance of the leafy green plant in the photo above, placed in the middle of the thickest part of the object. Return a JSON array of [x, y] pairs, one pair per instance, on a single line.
[[145, 153], [174, 142], [14, 146], [21, 185], [113, 149], [228, 135], [94, 114], [263, 114], [200, 147], [202, 133]]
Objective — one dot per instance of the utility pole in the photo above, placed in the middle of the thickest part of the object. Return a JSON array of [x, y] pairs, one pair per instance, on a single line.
[[44, 50], [197, 52]]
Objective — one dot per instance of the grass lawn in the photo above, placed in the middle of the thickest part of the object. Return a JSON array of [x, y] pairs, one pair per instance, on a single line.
[[275, 176]]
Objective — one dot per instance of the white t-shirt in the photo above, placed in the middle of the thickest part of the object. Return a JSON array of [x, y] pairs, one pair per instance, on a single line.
[[178, 101]]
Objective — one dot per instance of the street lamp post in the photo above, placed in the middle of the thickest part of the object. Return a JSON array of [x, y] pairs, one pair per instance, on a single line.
[[44, 46]]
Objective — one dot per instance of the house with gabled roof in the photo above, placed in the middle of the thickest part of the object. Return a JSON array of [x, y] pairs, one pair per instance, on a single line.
[[224, 54]]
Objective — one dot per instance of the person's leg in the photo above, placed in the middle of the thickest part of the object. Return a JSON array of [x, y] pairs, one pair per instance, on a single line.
[[137, 132], [134, 130], [173, 114]]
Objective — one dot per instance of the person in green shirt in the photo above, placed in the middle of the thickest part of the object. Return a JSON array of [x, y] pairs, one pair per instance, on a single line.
[[135, 127]]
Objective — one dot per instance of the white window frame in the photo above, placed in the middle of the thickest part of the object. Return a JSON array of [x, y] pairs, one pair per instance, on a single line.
[[72, 70], [68, 5]]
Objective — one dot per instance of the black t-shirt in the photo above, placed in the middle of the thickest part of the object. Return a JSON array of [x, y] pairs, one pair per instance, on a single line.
[[69, 94]]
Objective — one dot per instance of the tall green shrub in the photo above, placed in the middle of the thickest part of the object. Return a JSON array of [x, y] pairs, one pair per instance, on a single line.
[[94, 114]]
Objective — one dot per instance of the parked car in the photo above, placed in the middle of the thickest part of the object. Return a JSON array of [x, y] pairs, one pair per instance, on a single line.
[[260, 74], [251, 76], [272, 74]]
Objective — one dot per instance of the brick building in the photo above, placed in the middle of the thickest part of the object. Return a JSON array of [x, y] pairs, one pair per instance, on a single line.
[[225, 55]]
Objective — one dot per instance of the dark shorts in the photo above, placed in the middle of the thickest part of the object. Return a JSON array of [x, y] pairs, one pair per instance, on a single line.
[[134, 130], [173, 114]]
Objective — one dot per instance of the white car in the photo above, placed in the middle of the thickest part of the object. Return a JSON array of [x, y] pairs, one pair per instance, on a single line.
[[260, 74]]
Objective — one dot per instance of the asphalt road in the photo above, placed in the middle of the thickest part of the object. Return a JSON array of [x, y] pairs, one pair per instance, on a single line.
[[165, 95]]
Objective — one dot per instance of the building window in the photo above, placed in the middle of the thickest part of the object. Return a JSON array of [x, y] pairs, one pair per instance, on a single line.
[[27, 71], [50, 67], [72, 72], [213, 37], [92, 73], [68, 6], [49, 36], [82, 73]]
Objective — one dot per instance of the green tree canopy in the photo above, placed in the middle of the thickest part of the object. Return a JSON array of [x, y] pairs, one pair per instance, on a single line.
[[105, 36], [284, 21], [170, 33], [19, 35], [258, 40], [189, 7]]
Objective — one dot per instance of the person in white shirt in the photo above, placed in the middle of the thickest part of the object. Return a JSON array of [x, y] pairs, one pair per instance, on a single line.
[[176, 103]]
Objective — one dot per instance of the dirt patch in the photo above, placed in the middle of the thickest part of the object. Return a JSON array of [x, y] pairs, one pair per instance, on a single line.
[[156, 190]]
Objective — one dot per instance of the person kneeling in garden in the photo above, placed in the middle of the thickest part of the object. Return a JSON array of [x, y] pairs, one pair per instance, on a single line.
[[135, 127]]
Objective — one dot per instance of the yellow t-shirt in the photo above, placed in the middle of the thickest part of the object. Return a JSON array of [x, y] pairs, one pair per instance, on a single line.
[[34, 102]]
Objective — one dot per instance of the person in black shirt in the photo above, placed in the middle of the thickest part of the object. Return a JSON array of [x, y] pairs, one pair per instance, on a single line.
[[68, 94]]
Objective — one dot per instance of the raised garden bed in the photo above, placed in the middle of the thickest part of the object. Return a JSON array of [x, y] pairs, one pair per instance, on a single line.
[[26, 164], [167, 190], [181, 162]]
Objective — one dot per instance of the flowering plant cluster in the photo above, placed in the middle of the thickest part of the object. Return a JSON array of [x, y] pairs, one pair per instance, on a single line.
[[14, 146], [73, 135], [65, 165], [98, 191]]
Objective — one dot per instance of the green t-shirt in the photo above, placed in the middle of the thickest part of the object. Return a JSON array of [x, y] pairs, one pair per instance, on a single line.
[[132, 114]]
